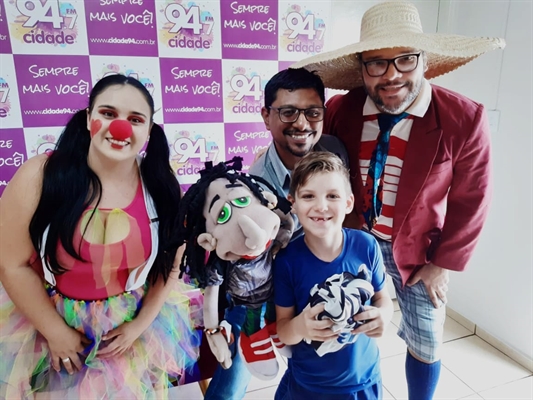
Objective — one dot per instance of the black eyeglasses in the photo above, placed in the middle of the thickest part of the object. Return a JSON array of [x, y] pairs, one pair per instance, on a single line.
[[405, 63], [289, 115]]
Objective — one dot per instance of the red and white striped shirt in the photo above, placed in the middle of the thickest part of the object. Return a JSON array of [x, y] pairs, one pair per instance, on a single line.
[[393, 165]]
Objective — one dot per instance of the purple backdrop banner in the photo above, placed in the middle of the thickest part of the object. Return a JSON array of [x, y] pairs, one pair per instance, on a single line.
[[121, 27], [246, 140], [205, 62], [194, 88], [249, 29], [12, 154], [51, 88], [5, 44]]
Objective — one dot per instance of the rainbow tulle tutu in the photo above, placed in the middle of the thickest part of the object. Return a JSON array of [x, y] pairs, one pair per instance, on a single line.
[[156, 360]]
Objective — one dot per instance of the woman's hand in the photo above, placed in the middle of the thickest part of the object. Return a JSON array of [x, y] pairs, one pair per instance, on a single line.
[[121, 339], [64, 349]]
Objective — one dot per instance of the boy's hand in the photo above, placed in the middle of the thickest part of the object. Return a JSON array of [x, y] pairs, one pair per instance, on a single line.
[[312, 329], [374, 326]]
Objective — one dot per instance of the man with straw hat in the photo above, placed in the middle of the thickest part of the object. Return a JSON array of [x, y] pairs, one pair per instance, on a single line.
[[419, 161]]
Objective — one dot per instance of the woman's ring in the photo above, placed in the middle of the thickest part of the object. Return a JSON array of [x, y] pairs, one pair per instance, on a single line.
[[65, 360]]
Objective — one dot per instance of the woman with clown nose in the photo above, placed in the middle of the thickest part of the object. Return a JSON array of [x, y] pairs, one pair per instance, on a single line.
[[90, 304]]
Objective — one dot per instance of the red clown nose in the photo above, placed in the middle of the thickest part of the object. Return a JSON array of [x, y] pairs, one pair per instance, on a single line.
[[120, 129]]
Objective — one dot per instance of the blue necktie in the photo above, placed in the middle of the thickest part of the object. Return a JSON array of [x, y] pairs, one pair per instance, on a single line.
[[372, 211]]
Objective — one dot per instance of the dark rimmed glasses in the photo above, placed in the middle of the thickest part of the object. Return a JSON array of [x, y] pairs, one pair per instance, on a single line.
[[290, 115], [403, 63]]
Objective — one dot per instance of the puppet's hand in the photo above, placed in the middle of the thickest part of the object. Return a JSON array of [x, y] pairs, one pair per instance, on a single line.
[[219, 340], [286, 229], [220, 349]]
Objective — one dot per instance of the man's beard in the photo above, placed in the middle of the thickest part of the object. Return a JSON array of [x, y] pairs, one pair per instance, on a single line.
[[293, 148], [412, 94]]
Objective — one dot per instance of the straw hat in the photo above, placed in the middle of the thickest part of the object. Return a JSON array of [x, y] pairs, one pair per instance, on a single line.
[[396, 24]]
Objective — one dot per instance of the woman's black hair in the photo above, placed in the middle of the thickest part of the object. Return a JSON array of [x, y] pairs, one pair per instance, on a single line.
[[70, 186], [191, 221]]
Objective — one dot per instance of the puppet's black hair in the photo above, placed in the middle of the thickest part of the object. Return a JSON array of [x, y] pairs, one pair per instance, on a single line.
[[191, 221]]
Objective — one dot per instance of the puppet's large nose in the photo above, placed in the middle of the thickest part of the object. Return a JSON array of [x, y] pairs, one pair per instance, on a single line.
[[255, 236], [120, 129]]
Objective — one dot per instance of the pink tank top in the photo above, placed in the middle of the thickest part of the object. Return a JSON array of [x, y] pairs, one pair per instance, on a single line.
[[106, 267]]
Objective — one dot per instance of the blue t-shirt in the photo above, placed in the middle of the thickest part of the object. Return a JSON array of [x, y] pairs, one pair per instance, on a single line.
[[296, 271]]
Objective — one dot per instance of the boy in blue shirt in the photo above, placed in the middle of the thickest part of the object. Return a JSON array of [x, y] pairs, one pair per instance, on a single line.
[[321, 196]]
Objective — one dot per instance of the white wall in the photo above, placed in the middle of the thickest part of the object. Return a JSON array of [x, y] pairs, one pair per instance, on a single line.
[[496, 290]]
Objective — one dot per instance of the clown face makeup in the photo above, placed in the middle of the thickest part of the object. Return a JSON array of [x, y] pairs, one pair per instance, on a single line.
[[119, 122]]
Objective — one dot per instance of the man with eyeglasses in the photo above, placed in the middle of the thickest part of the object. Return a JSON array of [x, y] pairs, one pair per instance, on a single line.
[[293, 113], [419, 162]]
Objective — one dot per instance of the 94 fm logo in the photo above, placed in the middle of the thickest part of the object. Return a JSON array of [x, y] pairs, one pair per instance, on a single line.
[[248, 92], [305, 33], [5, 104], [48, 21], [191, 155], [191, 28]]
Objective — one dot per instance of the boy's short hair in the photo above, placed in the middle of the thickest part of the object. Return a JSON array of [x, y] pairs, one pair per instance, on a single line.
[[316, 162]]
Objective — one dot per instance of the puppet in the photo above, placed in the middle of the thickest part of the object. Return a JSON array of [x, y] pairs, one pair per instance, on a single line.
[[228, 214]]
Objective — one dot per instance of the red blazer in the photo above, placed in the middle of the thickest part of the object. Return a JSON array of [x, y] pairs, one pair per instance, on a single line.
[[445, 186]]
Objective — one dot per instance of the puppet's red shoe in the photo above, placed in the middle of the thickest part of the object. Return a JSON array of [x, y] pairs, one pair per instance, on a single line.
[[282, 348], [258, 354]]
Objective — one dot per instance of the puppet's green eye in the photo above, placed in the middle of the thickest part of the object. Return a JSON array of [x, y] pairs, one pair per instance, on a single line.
[[242, 201], [225, 214]]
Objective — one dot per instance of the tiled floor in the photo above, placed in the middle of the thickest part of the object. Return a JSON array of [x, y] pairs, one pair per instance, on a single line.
[[471, 369]]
